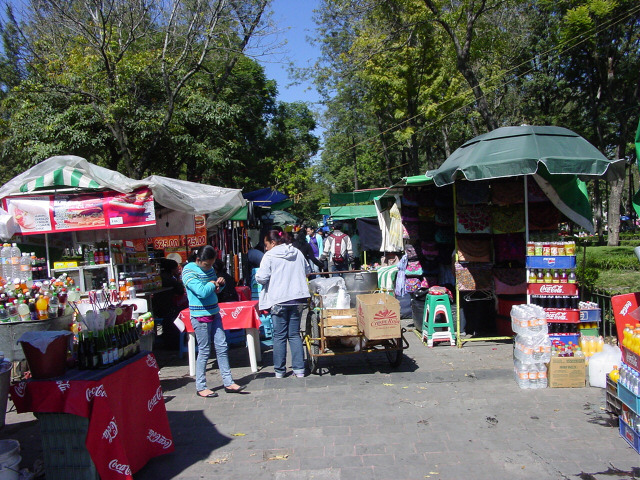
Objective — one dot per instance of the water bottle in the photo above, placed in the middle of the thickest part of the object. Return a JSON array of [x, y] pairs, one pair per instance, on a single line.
[[635, 383], [54, 305], [522, 374], [15, 260], [5, 261], [26, 275], [4, 317], [542, 376], [533, 376]]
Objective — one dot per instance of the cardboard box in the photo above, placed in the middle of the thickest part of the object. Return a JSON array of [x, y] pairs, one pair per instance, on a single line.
[[566, 372], [378, 316]]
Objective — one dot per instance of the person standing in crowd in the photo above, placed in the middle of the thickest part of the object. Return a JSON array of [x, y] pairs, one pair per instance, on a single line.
[[203, 285], [300, 242], [285, 291], [170, 275], [338, 249], [315, 240], [228, 294], [254, 257]]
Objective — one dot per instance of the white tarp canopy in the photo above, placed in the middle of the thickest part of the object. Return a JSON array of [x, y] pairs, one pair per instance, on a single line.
[[71, 171]]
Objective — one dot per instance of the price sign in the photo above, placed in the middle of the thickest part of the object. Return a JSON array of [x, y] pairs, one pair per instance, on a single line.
[[160, 243]]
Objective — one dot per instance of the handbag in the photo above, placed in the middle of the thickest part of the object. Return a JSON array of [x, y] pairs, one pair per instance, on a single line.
[[472, 248], [473, 193], [474, 276], [507, 219], [473, 219], [507, 192], [414, 268], [411, 284], [410, 252], [510, 281]]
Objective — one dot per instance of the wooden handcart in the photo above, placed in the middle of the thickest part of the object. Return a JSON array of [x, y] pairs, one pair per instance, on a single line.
[[331, 332]]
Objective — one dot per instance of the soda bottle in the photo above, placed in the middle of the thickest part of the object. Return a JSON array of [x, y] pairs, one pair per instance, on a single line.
[[42, 305], [23, 311], [572, 277], [54, 305], [547, 276], [533, 278], [4, 316], [12, 312], [563, 277], [540, 277], [33, 311], [556, 277]]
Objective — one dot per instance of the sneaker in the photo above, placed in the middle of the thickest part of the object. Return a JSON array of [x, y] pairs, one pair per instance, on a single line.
[[279, 375], [299, 375]]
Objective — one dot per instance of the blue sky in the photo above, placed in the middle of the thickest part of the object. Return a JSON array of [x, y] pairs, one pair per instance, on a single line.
[[294, 23]]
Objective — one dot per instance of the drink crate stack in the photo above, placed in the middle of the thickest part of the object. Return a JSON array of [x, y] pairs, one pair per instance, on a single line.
[[629, 388]]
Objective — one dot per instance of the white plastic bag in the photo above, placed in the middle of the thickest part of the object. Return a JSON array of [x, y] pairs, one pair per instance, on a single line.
[[602, 363]]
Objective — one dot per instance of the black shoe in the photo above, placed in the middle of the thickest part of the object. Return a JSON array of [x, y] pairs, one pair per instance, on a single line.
[[211, 395], [237, 390]]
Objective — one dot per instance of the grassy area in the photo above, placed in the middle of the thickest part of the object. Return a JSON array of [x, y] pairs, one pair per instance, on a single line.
[[618, 268]]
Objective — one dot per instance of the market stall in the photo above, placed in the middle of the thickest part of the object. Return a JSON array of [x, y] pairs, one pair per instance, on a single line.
[[468, 223]]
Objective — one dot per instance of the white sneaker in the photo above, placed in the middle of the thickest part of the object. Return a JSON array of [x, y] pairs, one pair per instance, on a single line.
[[299, 375], [279, 375]]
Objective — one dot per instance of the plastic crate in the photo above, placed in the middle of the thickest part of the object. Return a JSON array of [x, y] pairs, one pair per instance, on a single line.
[[613, 403], [236, 337], [589, 332], [65, 454], [564, 338], [266, 327], [628, 398], [627, 433], [590, 315]]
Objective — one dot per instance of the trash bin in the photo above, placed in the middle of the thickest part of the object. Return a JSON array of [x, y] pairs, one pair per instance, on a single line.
[[5, 378], [417, 306]]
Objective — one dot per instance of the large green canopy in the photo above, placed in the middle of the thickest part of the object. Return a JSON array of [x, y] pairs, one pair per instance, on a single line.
[[359, 196], [349, 212], [512, 151], [558, 158]]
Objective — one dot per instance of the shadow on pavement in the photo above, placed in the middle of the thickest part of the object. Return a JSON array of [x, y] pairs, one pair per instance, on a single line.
[[192, 446]]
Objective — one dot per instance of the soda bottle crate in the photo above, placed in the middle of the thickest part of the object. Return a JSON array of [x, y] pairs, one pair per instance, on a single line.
[[590, 315], [547, 261], [613, 403], [63, 447], [564, 338], [562, 315], [629, 398], [630, 435], [589, 332]]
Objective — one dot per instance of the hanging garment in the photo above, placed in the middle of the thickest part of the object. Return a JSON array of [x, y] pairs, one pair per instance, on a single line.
[[472, 248], [508, 192], [509, 247], [473, 219], [509, 219], [474, 276], [400, 290], [510, 281]]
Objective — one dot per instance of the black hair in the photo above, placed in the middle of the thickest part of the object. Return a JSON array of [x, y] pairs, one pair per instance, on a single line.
[[168, 265], [275, 236], [203, 253], [301, 236]]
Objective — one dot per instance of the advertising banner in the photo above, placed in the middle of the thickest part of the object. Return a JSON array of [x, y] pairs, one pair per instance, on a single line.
[[81, 211], [198, 239]]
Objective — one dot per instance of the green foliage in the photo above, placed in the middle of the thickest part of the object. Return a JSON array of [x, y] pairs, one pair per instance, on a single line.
[[587, 277], [610, 258]]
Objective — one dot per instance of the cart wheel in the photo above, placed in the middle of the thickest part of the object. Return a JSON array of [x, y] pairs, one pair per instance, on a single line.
[[313, 330], [394, 356]]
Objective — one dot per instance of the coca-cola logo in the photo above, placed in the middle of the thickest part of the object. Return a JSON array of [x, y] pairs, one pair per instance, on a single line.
[[155, 437], [63, 385], [546, 288], [151, 361], [236, 312], [111, 431], [556, 315], [155, 399], [95, 392], [20, 389], [121, 468], [626, 308]]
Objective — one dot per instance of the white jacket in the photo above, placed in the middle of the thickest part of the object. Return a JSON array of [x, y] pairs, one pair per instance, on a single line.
[[345, 247], [282, 274]]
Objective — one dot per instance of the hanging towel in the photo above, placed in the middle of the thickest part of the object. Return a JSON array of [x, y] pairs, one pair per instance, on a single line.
[[387, 277], [400, 277]]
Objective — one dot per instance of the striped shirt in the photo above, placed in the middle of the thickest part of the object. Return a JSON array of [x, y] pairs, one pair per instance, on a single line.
[[203, 300]]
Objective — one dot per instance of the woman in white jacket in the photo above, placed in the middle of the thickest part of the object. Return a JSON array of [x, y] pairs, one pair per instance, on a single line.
[[282, 274]]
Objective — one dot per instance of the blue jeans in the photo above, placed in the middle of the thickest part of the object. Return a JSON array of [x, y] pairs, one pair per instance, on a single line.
[[339, 267], [286, 326], [204, 332]]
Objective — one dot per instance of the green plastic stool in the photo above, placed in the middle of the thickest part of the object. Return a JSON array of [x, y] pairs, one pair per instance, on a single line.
[[440, 331]]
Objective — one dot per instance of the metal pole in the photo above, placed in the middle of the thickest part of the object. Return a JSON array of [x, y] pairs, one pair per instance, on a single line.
[[46, 244]]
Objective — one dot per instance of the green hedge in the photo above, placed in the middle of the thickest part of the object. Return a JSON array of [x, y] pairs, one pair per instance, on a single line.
[[609, 258]]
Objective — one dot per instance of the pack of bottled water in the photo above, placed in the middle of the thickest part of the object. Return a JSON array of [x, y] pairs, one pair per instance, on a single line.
[[529, 320], [530, 375]]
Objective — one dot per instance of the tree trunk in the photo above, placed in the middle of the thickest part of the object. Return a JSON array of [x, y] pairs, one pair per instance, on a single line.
[[354, 158], [615, 195]]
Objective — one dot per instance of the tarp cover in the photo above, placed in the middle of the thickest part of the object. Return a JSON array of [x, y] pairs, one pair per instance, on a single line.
[[180, 195], [348, 212], [359, 196]]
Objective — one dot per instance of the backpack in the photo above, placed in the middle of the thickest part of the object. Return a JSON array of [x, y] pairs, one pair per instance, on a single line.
[[337, 248]]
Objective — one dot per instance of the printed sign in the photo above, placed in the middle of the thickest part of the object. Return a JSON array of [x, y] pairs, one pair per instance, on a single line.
[[86, 211]]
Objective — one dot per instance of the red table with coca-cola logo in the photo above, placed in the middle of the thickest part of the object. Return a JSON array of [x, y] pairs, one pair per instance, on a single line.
[[235, 315], [128, 423]]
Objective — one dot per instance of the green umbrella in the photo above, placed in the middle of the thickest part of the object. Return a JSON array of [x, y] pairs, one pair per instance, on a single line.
[[558, 157], [280, 217], [512, 151]]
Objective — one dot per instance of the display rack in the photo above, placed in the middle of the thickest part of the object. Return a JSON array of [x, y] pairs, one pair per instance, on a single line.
[[79, 274]]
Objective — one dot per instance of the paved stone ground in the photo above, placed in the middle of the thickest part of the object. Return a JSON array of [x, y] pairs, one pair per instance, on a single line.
[[445, 413]]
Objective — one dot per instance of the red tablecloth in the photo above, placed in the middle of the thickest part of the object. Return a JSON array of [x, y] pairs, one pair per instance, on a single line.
[[234, 315], [128, 421]]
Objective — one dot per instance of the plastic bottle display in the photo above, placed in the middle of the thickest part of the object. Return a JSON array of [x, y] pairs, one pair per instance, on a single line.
[[26, 273], [5, 261], [532, 346]]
